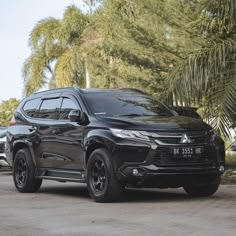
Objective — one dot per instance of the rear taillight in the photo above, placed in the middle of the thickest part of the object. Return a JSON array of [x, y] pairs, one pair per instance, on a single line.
[[13, 121]]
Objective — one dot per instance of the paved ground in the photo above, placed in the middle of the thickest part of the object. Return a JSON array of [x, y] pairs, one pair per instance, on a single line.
[[66, 209]]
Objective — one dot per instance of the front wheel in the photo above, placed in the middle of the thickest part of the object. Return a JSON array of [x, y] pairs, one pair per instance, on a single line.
[[203, 190], [102, 183], [23, 172]]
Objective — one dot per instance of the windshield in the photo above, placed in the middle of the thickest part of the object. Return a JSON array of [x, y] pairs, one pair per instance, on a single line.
[[125, 104]]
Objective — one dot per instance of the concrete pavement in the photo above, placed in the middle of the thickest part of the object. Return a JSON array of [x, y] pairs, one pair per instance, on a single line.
[[66, 209]]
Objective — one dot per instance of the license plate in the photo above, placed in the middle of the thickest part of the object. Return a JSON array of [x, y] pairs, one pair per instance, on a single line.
[[187, 152]]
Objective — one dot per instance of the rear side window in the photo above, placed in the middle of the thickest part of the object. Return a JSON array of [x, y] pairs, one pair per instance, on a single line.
[[67, 106], [30, 107], [49, 108]]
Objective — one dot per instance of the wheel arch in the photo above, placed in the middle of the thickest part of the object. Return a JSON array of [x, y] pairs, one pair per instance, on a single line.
[[92, 147], [21, 145]]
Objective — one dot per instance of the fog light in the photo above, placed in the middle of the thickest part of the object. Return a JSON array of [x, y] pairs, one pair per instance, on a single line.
[[153, 146], [221, 169], [135, 172]]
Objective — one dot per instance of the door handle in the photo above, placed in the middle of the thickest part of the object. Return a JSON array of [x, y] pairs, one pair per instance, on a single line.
[[54, 131], [32, 129]]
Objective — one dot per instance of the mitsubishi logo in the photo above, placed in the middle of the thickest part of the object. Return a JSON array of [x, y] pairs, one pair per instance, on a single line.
[[185, 139]]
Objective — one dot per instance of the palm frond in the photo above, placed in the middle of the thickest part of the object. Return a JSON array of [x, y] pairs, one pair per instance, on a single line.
[[221, 103], [45, 32], [207, 77], [55, 44], [33, 72], [219, 16], [197, 74], [73, 25], [69, 68]]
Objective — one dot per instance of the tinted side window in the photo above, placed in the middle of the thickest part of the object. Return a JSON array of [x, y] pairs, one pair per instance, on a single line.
[[49, 108], [66, 106], [30, 107]]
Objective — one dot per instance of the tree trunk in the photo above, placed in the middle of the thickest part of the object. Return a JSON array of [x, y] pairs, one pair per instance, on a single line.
[[87, 77]]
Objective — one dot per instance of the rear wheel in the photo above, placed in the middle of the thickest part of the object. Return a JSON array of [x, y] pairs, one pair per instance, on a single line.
[[102, 183], [24, 172], [203, 190]]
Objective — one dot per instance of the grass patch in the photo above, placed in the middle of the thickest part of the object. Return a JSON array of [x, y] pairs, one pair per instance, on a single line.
[[229, 177], [230, 160]]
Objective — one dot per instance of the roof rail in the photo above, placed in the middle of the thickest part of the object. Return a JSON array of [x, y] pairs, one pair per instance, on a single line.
[[56, 89]]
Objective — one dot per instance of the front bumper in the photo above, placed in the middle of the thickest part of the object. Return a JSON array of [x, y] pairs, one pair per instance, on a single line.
[[154, 163], [3, 161], [142, 175]]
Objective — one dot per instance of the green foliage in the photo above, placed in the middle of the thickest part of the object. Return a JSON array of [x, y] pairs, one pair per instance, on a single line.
[[7, 109], [180, 50], [230, 160], [206, 76], [229, 177], [141, 42], [56, 59], [123, 43]]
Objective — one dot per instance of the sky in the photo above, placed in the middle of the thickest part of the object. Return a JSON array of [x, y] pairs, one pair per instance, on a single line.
[[17, 19]]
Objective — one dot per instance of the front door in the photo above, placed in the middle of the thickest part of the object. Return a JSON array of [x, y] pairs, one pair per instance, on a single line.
[[69, 136]]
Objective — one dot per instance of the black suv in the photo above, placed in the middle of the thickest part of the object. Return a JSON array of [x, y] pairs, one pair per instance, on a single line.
[[111, 139]]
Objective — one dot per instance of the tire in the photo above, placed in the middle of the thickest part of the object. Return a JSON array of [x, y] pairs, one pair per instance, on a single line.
[[24, 172], [102, 183], [203, 190]]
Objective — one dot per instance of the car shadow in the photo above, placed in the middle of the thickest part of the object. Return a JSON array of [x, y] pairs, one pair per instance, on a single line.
[[130, 194], [78, 190], [154, 195]]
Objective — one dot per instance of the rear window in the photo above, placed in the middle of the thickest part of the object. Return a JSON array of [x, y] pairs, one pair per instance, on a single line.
[[49, 108], [30, 107]]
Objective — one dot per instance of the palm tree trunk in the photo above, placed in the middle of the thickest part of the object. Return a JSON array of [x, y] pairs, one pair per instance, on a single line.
[[87, 76]]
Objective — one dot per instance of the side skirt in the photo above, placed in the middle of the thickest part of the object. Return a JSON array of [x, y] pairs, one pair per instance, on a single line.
[[61, 175]]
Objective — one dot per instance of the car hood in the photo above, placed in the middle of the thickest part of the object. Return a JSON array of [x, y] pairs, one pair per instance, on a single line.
[[152, 123]]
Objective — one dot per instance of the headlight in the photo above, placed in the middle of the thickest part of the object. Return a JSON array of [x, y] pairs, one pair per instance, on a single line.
[[130, 134]]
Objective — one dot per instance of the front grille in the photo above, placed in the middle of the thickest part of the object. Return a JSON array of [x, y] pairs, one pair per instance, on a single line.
[[165, 157], [175, 138], [2, 147]]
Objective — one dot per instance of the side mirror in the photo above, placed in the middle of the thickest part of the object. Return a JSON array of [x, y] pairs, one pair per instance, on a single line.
[[77, 116]]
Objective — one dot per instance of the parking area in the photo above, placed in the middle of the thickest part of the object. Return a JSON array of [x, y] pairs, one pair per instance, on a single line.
[[66, 209]]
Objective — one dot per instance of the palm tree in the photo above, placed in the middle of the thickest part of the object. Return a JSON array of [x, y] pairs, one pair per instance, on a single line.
[[207, 76], [57, 59], [7, 109]]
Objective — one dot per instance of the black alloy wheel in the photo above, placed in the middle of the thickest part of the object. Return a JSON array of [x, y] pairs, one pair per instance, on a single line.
[[21, 171], [98, 175], [101, 179], [24, 172]]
